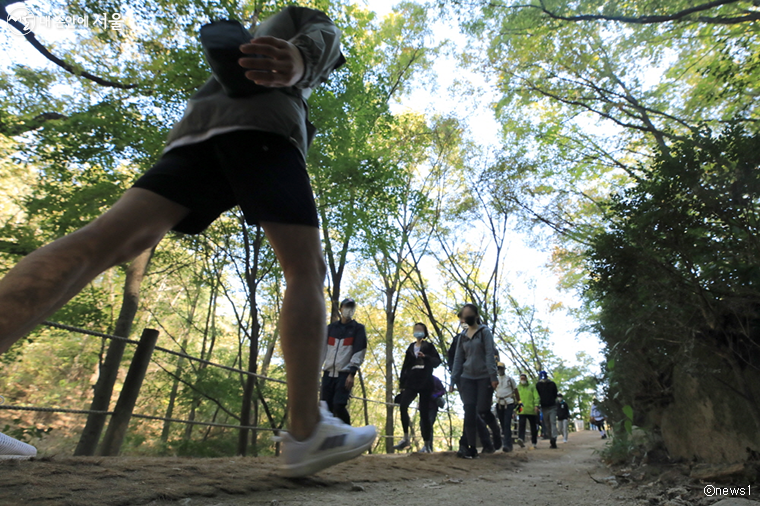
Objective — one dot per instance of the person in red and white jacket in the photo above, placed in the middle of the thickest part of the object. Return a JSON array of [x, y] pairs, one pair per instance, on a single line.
[[344, 355]]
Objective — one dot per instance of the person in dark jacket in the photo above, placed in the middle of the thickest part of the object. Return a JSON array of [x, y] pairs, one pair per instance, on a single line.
[[598, 417], [226, 151], [476, 376], [547, 393], [420, 359], [563, 416], [437, 401], [344, 355]]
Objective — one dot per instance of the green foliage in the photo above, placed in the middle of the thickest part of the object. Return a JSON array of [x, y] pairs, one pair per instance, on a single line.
[[393, 190], [619, 449], [577, 384], [675, 275], [26, 434]]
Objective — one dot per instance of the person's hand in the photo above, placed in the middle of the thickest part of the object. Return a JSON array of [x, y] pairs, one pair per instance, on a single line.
[[281, 66], [537, 409], [495, 384], [451, 389], [420, 354], [350, 382]]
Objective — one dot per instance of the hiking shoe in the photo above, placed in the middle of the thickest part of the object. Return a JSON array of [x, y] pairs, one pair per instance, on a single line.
[[489, 449], [333, 442], [604, 436], [506, 449], [471, 453], [11, 448], [462, 452], [401, 444], [553, 443], [521, 443]]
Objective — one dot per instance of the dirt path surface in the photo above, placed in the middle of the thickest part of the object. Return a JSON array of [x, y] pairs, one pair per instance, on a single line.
[[526, 477]]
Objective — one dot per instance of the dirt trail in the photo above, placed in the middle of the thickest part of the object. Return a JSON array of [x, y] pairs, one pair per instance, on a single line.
[[525, 477]]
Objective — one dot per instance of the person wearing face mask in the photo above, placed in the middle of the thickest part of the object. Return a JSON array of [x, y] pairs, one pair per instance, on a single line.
[[563, 417], [343, 357], [485, 436], [547, 393], [436, 401], [528, 411], [475, 374], [417, 379], [506, 395]]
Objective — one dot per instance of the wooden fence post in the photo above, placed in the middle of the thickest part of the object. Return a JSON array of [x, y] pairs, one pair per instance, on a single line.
[[122, 413]]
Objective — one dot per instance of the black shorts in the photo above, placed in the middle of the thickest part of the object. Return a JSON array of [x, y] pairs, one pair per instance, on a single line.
[[261, 172]]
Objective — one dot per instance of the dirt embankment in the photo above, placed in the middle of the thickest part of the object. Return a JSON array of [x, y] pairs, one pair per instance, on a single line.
[[569, 476]]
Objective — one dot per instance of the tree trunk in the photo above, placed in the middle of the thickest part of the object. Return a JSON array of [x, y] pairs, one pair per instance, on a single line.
[[364, 400], [173, 395], [252, 271], [389, 321], [122, 413], [109, 371]]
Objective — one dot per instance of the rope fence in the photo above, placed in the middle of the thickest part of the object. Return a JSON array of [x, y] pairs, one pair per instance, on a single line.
[[71, 328], [134, 415], [159, 348], [94, 333]]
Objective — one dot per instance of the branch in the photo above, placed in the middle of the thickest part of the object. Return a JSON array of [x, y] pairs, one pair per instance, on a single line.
[[198, 391], [648, 20], [32, 39], [12, 248], [31, 124]]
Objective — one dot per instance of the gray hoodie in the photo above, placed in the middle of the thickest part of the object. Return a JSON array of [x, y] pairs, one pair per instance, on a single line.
[[474, 357]]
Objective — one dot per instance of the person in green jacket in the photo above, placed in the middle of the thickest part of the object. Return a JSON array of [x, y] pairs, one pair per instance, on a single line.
[[528, 412], [246, 151]]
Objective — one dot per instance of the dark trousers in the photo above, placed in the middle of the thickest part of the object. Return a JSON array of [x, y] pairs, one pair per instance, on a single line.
[[485, 436], [476, 396], [432, 415], [334, 393], [504, 414], [533, 419], [406, 398]]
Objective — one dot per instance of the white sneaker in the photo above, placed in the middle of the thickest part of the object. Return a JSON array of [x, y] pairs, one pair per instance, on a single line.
[[333, 442], [14, 449]]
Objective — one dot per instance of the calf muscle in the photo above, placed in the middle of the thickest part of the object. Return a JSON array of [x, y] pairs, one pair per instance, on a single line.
[[42, 282]]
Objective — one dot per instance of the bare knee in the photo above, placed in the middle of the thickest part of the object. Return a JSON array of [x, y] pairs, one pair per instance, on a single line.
[[144, 240], [116, 246], [305, 270]]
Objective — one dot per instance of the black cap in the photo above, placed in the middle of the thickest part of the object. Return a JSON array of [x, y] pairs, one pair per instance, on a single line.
[[348, 302]]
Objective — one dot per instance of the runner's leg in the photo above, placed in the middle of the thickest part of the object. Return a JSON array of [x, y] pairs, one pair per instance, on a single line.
[[42, 282], [302, 319]]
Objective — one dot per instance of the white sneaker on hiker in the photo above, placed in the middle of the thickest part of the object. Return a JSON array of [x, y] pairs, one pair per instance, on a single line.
[[11, 448], [333, 442]]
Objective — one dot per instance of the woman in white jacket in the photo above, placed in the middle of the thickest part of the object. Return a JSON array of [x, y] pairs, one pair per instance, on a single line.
[[507, 397]]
